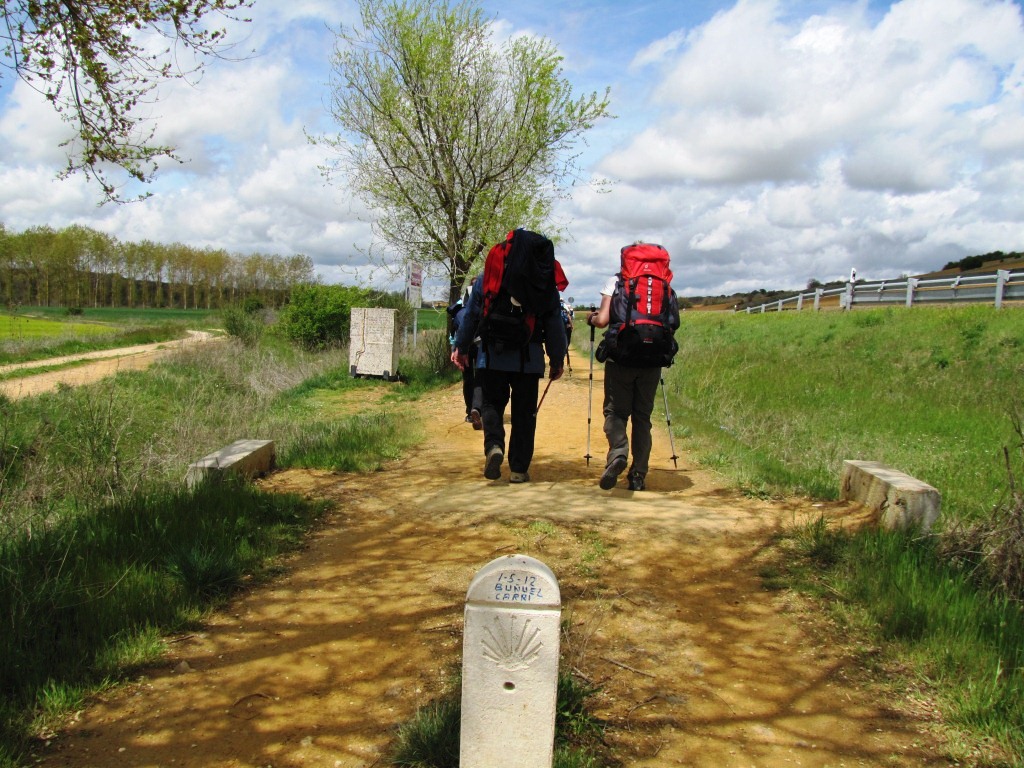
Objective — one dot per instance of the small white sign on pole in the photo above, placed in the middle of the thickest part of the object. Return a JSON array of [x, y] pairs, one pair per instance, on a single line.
[[510, 665], [414, 284]]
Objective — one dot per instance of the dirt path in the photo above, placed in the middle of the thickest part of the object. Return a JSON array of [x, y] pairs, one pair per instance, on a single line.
[[698, 664], [103, 363]]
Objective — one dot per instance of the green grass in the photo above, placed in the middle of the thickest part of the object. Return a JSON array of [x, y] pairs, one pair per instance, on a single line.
[[778, 401], [965, 647], [82, 601], [784, 398], [431, 738], [20, 373], [352, 444]]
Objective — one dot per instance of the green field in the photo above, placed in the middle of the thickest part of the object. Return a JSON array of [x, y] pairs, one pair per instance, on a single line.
[[23, 327], [37, 333], [190, 318], [431, 319]]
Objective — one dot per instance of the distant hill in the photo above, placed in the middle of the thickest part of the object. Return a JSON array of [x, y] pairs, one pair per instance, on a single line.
[[987, 263]]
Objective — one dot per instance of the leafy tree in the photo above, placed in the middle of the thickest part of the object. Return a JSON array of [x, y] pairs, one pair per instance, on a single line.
[[95, 62], [452, 138]]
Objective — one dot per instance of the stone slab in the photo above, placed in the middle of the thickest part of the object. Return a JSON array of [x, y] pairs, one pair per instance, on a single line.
[[374, 343], [249, 458], [510, 665], [900, 501]]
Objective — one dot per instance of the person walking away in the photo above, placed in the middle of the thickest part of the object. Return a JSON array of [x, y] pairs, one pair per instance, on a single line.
[[641, 312], [470, 389], [508, 372], [565, 308]]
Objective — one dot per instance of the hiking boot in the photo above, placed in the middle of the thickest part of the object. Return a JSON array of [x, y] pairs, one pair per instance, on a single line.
[[492, 465], [519, 477], [612, 472], [636, 481], [474, 416]]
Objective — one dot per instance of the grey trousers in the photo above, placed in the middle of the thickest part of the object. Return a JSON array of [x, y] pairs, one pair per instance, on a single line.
[[629, 395]]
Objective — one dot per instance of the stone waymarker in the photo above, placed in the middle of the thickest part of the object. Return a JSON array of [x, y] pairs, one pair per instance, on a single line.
[[373, 343], [510, 665]]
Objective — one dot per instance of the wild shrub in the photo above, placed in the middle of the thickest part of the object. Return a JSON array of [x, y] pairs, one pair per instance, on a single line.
[[247, 327], [319, 316]]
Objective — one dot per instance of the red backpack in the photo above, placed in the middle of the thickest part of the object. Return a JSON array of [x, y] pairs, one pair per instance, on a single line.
[[644, 310], [521, 282]]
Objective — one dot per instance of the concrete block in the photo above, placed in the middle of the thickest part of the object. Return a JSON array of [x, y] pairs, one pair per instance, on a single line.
[[510, 665], [249, 458], [374, 343], [899, 500]]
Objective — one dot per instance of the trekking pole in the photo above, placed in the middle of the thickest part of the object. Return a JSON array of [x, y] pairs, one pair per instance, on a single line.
[[668, 421], [543, 396], [590, 395]]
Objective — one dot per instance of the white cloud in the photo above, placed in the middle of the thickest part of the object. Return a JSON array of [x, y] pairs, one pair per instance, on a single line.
[[761, 143], [834, 138]]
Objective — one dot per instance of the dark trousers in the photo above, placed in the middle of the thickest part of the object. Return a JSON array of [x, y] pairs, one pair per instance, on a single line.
[[468, 379], [498, 389], [629, 396]]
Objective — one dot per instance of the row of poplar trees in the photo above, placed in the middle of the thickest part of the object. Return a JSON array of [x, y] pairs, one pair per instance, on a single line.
[[81, 267]]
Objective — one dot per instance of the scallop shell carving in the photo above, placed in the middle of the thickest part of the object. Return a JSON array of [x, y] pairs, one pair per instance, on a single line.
[[509, 646]]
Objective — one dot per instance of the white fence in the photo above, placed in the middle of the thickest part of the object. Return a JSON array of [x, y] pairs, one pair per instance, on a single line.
[[1002, 286]]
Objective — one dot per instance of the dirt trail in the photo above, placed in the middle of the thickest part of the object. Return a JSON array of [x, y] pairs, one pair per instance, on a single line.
[[698, 664], [103, 363]]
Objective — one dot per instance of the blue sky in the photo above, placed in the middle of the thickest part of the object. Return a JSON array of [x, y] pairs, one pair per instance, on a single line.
[[763, 142]]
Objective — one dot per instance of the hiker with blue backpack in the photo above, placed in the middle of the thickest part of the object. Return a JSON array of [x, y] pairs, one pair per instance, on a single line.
[[470, 387], [514, 312], [641, 312]]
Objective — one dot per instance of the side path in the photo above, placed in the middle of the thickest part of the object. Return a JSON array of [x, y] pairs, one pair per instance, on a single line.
[[102, 363], [697, 664]]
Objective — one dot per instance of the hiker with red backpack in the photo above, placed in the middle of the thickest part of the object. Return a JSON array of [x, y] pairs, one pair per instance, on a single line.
[[641, 312], [513, 310]]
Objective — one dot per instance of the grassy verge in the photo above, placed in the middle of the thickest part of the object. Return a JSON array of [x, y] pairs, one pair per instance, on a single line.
[[21, 373], [102, 550], [783, 399], [777, 402]]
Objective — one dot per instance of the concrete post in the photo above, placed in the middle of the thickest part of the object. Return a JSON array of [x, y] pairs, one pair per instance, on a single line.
[[510, 665], [1002, 276], [911, 287]]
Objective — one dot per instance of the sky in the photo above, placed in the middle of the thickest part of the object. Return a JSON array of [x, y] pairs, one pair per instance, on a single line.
[[764, 143]]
